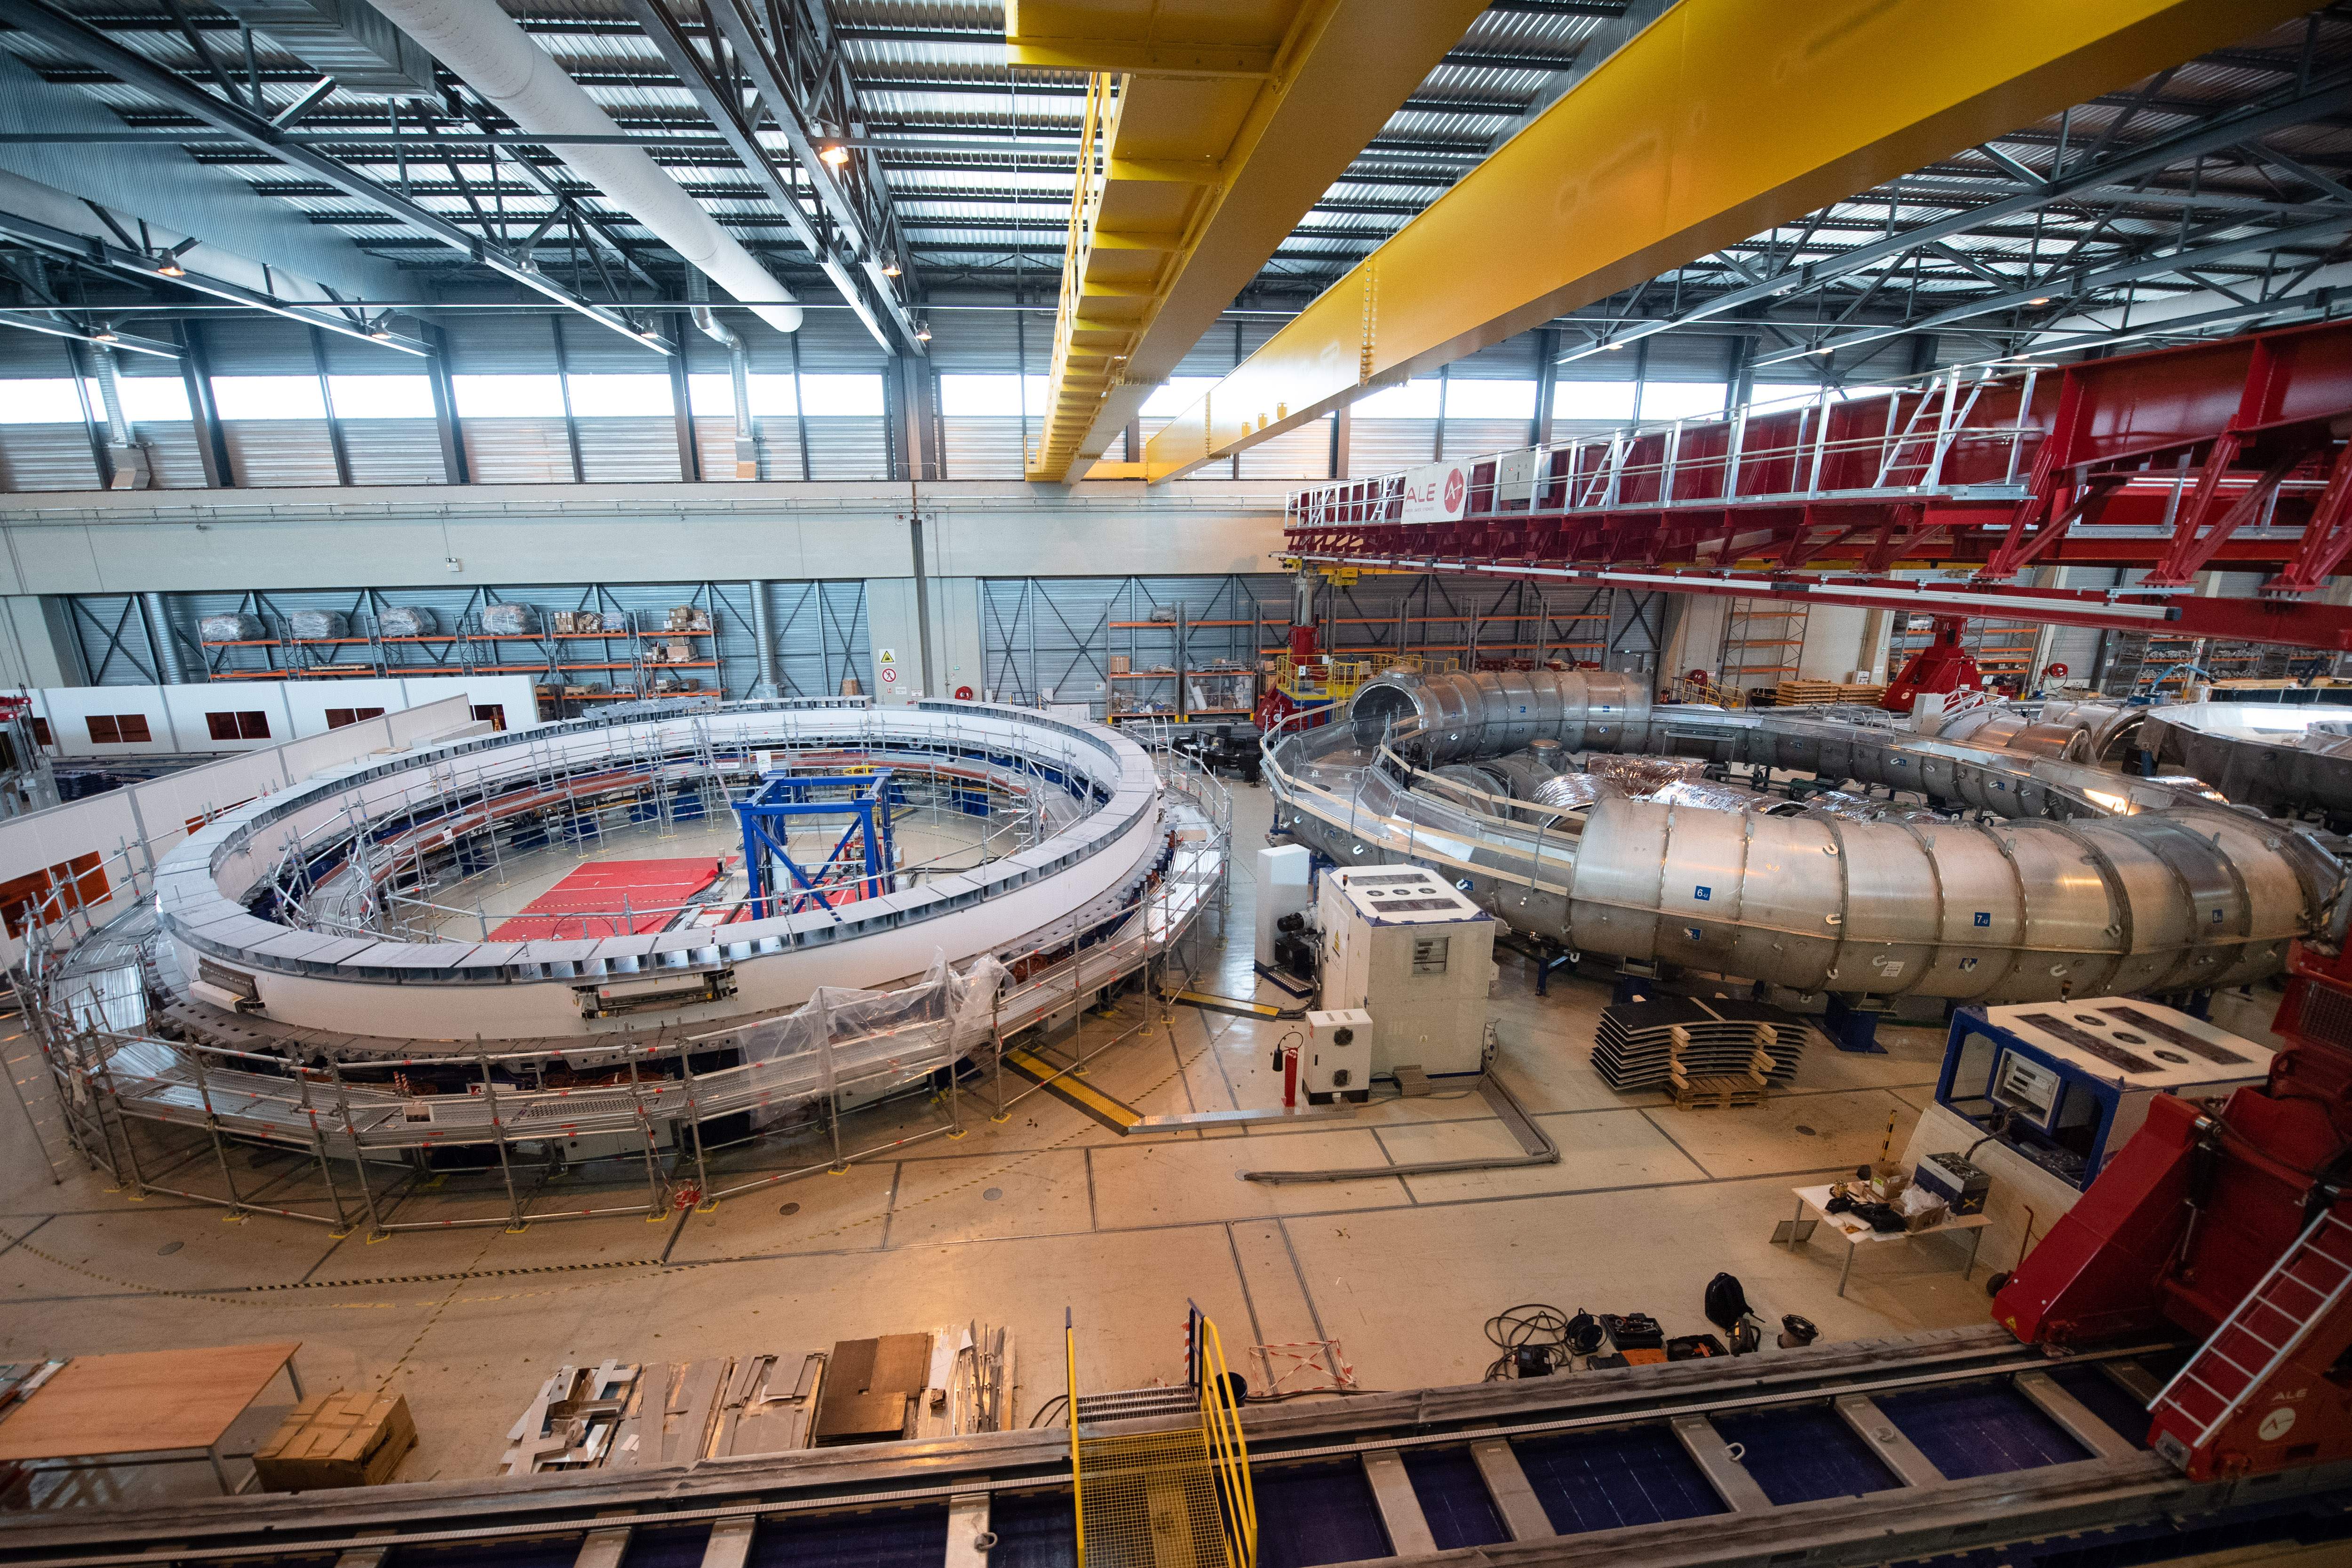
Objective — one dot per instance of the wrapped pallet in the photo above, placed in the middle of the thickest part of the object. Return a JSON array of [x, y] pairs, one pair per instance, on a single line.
[[230, 628], [689, 618], [408, 621], [510, 620], [317, 626]]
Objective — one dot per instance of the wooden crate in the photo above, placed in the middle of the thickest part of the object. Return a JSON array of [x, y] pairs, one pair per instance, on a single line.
[[354, 1439], [1823, 693]]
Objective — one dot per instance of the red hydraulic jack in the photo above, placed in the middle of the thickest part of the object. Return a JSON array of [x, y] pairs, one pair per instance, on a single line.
[[1942, 665], [2236, 1226]]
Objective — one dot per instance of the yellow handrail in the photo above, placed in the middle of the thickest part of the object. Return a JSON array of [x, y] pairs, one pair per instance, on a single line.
[[1077, 1490], [1221, 1430]]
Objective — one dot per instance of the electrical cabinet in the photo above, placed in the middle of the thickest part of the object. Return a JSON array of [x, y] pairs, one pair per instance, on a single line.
[[1403, 944]]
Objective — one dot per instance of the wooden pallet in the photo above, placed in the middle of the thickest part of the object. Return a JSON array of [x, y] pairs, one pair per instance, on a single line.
[[1823, 693], [1719, 1093]]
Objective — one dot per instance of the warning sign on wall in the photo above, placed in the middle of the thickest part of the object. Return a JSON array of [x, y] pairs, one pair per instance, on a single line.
[[887, 658]]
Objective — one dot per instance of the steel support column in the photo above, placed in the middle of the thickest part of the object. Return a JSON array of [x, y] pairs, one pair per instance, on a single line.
[[212, 440]]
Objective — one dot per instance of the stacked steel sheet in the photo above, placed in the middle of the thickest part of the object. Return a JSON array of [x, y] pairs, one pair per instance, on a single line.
[[1635, 1046]]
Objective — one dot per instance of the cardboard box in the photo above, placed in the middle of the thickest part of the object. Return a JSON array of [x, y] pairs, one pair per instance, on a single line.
[[342, 1439]]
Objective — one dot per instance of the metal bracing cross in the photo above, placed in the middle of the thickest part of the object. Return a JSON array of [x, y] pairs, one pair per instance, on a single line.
[[786, 797], [2296, 107]]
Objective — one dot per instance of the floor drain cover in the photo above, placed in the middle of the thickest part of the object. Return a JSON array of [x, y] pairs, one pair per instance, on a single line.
[[993, 1193], [169, 1247], [790, 1209], [1807, 1131]]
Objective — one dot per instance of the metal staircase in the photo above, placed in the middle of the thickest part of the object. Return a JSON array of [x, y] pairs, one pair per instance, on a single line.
[[2223, 1380]]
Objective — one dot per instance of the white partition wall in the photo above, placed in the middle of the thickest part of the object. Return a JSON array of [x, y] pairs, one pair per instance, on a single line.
[[96, 722], [82, 862]]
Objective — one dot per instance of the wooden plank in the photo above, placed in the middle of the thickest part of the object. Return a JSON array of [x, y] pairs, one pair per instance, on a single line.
[[143, 1403]]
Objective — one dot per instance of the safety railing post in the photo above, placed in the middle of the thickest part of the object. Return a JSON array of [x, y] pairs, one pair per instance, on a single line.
[[319, 1150], [694, 1121], [499, 1138], [88, 1044], [358, 1159], [212, 1126], [31, 1125], [655, 1207], [2017, 431]]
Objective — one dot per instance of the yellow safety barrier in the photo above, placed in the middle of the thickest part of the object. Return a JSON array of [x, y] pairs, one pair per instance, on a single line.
[[1148, 1499], [1324, 677], [1687, 690], [1221, 1430]]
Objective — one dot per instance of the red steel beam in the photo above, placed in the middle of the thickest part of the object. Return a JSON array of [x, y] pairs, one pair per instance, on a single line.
[[2324, 626], [2103, 451]]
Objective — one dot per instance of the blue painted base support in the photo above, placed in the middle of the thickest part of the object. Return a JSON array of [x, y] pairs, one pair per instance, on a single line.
[[1853, 1028], [1634, 984]]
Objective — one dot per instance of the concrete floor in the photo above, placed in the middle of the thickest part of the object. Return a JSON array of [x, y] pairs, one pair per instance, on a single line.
[[1010, 1224]]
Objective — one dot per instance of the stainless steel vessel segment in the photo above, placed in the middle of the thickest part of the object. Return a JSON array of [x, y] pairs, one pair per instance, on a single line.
[[456, 990], [2095, 883]]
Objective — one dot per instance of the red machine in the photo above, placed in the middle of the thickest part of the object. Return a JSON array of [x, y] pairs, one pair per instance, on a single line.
[[1942, 665], [2235, 1226]]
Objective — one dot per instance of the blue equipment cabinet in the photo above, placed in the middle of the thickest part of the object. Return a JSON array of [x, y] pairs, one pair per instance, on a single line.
[[2066, 1083]]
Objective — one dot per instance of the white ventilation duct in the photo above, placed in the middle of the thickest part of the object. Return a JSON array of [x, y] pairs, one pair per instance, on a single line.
[[497, 58]]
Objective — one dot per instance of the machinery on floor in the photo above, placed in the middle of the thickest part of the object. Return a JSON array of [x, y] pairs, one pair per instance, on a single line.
[[2231, 1221]]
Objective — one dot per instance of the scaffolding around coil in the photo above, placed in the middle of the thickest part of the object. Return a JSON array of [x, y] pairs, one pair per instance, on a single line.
[[668, 1103]]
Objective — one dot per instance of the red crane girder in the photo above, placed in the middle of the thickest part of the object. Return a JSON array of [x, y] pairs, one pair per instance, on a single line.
[[2222, 456]]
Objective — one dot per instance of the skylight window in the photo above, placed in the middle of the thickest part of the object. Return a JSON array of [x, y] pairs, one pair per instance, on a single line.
[[1682, 400], [840, 396], [508, 396], [382, 396], [269, 397], [1467, 399], [621, 396], [40, 400], [992, 396], [1610, 400]]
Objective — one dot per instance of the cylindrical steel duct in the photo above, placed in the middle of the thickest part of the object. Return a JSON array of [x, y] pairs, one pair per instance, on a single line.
[[158, 611], [482, 44], [739, 374], [764, 638], [2192, 897]]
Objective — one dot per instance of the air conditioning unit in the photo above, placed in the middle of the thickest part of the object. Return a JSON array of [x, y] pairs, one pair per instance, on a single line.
[[1336, 1062]]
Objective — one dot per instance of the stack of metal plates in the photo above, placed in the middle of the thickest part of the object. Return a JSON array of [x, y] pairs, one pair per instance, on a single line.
[[1634, 1047]]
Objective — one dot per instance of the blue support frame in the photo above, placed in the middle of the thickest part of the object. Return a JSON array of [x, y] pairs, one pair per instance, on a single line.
[[784, 797]]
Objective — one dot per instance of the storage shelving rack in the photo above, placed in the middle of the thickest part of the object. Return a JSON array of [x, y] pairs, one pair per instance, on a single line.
[[471, 650]]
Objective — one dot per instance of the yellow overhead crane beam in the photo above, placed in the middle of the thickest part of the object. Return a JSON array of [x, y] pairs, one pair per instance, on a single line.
[[1719, 121], [1211, 128]]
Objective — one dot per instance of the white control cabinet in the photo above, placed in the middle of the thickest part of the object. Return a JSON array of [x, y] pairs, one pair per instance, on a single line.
[[1336, 1060], [1401, 944]]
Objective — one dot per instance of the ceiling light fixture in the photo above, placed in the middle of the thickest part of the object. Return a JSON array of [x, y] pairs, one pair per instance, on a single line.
[[922, 331], [2043, 300], [168, 268], [890, 267], [833, 153], [104, 335]]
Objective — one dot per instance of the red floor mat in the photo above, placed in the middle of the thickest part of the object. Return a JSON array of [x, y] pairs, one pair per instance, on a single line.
[[587, 905]]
